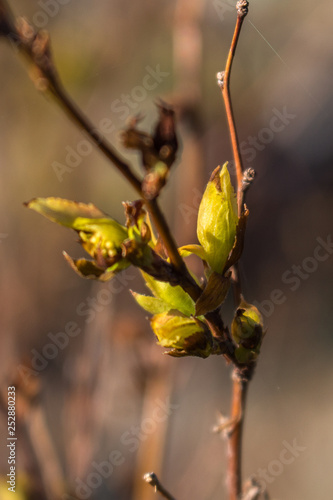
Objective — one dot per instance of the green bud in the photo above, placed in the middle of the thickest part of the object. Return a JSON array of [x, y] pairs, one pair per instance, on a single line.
[[218, 219], [185, 336], [245, 356], [247, 332]]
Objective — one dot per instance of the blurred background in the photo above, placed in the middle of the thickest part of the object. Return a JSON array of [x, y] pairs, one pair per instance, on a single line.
[[97, 402]]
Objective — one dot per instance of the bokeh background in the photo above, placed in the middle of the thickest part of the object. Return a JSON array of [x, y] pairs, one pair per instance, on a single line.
[[97, 397]]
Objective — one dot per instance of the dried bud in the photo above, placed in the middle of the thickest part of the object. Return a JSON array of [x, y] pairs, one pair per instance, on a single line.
[[248, 177], [242, 7], [46, 74], [151, 478], [220, 79], [134, 212], [165, 138], [158, 152], [132, 138]]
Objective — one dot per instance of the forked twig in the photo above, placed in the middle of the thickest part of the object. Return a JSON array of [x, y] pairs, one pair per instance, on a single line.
[[36, 48]]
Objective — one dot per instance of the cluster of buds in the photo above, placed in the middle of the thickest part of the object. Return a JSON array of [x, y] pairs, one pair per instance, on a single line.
[[175, 323], [179, 322], [112, 246]]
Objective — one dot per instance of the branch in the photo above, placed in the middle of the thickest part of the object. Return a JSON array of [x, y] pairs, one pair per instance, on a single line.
[[153, 480], [224, 83], [243, 180], [36, 48], [234, 475], [240, 378]]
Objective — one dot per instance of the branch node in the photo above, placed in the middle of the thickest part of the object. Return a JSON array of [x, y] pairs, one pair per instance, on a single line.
[[253, 490], [220, 79], [248, 177], [226, 425]]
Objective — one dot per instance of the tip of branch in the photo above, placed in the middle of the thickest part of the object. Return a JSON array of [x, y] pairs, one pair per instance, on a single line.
[[242, 7], [151, 478]]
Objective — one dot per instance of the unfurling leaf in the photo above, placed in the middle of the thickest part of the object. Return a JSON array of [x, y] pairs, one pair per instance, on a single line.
[[112, 246], [217, 219], [247, 332], [97, 231], [188, 250], [150, 304], [65, 212], [89, 269], [213, 295], [101, 236], [174, 296]]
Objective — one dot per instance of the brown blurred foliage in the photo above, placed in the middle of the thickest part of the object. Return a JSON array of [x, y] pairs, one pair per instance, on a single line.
[[110, 377]]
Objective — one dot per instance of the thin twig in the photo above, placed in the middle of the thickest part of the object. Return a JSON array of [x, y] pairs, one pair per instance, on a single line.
[[224, 83], [152, 205], [36, 47], [240, 383], [234, 475], [153, 480]]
